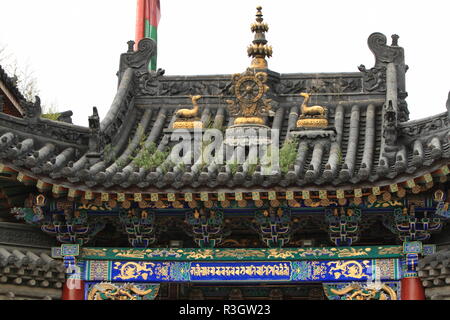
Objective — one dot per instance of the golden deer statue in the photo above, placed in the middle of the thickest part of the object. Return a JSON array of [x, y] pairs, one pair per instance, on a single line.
[[190, 113], [311, 111]]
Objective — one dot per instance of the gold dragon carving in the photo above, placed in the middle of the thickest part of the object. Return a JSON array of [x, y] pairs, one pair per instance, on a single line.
[[357, 292], [109, 291]]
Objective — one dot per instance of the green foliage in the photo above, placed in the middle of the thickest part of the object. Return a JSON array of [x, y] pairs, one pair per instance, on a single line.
[[150, 157], [165, 166], [233, 167], [204, 156], [51, 113], [251, 169], [122, 162], [340, 157], [288, 155], [109, 154]]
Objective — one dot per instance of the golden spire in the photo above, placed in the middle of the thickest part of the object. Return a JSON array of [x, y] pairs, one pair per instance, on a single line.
[[259, 50]]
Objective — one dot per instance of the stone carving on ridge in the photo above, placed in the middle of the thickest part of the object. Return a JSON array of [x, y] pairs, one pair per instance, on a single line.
[[139, 59], [334, 85], [33, 110], [375, 78]]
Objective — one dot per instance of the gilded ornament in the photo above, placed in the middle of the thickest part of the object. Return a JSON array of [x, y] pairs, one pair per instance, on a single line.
[[203, 254], [416, 189], [188, 118], [312, 117], [177, 205], [357, 291], [242, 203], [112, 203], [192, 204], [350, 269], [352, 252], [275, 203], [225, 204], [259, 49], [109, 291], [387, 196], [249, 90], [391, 250], [126, 204], [259, 203], [372, 198], [93, 252]]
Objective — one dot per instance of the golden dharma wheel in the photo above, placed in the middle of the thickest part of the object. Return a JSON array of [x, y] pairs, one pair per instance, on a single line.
[[342, 201]]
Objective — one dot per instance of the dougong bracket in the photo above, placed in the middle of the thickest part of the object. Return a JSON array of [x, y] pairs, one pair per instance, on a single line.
[[207, 227]]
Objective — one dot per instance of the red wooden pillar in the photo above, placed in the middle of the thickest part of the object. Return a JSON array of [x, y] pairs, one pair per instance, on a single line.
[[412, 288], [411, 285], [73, 289]]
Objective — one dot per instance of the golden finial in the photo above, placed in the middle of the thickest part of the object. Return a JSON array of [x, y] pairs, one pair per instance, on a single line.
[[259, 49]]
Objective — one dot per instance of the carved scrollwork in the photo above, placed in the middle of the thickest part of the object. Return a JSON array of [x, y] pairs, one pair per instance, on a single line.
[[153, 84], [33, 110], [139, 59], [426, 127], [374, 79], [384, 54], [337, 85]]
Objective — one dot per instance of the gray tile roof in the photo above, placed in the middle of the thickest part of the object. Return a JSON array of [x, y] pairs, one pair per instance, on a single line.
[[33, 268], [371, 142], [434, 271]]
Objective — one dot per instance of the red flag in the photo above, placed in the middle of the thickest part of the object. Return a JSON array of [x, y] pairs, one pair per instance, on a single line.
[[147, 21]]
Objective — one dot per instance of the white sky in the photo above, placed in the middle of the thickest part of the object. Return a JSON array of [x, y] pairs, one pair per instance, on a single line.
[[74, 46]]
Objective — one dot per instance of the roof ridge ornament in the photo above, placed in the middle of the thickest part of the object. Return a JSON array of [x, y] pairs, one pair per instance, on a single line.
[[259, 49]]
